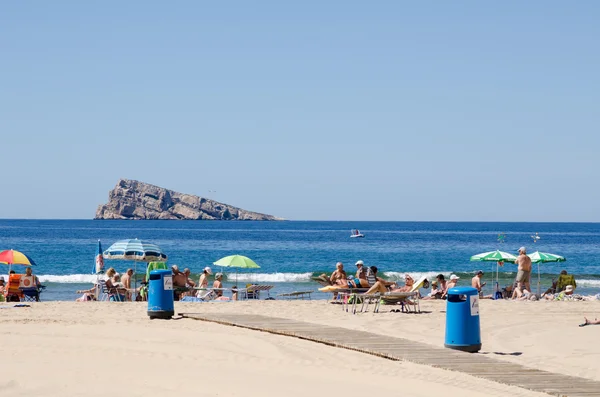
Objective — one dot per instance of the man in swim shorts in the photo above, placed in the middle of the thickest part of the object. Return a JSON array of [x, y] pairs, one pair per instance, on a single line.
[[524, 270]]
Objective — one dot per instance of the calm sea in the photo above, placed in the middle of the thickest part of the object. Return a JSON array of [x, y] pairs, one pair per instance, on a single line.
[[290, 252]]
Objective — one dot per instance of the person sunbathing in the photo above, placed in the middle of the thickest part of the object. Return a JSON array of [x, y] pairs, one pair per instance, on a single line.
[[590, 322], [339, 276], [383, 286]]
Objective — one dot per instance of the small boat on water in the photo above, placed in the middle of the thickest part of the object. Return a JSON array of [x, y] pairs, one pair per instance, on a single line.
[[354, 233]]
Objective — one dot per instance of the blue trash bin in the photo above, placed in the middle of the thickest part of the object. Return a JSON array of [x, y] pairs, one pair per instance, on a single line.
[[160, 294], [462, 320]]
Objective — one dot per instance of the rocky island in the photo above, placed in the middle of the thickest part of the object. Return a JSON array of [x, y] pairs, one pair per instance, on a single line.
[[138, 200]]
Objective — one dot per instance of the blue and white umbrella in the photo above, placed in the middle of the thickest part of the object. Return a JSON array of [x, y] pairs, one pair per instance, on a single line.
[[99, 264], [135, 250]]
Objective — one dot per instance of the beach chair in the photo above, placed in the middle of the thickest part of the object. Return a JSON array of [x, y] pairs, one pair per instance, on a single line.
[[12, 291], [30, 289], [254, 290], [296, 295], [109, 293], [404, 298]]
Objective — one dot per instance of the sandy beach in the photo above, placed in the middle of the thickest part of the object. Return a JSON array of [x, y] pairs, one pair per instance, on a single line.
[[101, 348]]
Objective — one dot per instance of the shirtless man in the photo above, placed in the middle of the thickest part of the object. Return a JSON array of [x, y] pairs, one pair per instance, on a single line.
[[338, 277], [126, 280], [476, 282], [524, 273], [179, 279]]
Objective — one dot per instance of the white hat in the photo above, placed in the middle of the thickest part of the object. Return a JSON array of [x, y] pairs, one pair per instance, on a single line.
[[569, 288], [207, 270], [522, 249], [454, 277], [359, 263]]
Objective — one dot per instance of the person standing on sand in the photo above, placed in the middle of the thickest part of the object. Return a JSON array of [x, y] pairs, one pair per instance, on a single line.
[[126, 280], [476, 282], [524, 270]]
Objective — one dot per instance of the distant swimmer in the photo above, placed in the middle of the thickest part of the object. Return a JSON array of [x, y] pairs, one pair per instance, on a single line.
[[535, 237]]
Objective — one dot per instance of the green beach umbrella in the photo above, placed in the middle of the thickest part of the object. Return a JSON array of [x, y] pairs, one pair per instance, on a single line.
[[495, 256], [544, 257], [237, 261]]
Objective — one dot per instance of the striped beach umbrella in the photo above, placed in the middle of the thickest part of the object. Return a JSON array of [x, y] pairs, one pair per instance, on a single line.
[[544, 257], [494, 256], [12, 257], [135, 250]]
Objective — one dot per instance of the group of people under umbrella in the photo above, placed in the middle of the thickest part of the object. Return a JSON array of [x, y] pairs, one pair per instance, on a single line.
[[140, 251], [501, 257]]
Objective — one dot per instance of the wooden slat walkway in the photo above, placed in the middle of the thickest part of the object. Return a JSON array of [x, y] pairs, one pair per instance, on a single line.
[[403, 349]]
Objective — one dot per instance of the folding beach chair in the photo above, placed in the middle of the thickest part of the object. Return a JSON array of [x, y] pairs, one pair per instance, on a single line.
[[12, 291], [30, 289], [109, 293]]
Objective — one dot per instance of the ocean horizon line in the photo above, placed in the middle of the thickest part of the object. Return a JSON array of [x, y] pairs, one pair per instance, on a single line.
[[298, 220]]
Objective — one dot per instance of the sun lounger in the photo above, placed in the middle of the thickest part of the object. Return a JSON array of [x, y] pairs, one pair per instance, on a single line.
[[253, 290], [402, 298], [296, 295], [323, 280]]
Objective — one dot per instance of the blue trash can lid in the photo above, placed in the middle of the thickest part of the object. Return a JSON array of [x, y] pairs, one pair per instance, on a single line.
[[160, 271], [463, 291]]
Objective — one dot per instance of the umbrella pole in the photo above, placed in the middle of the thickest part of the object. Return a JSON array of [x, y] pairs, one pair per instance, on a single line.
[[539, 288], [134, 278]]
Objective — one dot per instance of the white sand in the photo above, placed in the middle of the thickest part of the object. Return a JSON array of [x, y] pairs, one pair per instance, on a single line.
[[103, 349]]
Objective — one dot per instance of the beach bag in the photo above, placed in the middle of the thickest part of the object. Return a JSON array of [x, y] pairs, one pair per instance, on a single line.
[[355, 299]]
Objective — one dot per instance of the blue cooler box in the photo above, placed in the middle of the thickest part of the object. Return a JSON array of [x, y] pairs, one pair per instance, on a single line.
[[160, 294], [462, 320]]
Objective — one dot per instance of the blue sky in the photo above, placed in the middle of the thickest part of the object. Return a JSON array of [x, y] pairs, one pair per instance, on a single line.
[[338, 110]]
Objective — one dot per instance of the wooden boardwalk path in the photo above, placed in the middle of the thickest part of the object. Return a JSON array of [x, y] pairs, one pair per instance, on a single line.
[[403, 349]]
